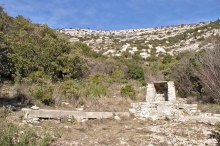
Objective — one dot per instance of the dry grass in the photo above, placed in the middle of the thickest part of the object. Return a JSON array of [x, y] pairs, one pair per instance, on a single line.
[[124, 132], [209, 108], [127, 131]]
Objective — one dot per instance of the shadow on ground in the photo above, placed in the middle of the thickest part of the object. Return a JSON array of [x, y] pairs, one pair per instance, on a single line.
[[16, 102]]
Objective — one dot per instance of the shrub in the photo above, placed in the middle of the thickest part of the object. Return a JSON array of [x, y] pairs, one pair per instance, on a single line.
[[167, 59], [7, 132], [70, 89], [152, 58], [136, 72], [46, 140], [118, 76], [98, 85], [206, 67], [28, 138], [128, 91], [43, 93], [38, 76], [10, 135]]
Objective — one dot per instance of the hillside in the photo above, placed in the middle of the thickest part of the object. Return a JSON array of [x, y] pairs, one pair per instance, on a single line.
[[105, 71], [171, 39]]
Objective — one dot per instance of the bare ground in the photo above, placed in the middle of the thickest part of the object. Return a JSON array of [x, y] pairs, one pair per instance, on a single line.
[[127, 131]]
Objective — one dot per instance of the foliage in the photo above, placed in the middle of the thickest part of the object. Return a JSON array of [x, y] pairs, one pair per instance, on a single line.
[[85, 50], [8, 134], [136, 72], [46, 140], [181, 73], [47, 59], [152, 58], [128, 91], [70, 89], [34, 50], [28, 138], [118, 76], [43, 92], [207, 69], [11, 135], [38, 76], [98, 85], [70, 66], [167, 59]]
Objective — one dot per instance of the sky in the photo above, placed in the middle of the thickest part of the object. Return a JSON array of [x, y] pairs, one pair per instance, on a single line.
[[114, 14]]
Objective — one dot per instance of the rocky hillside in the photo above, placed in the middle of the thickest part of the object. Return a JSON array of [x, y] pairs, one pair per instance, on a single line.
[[146, 41]]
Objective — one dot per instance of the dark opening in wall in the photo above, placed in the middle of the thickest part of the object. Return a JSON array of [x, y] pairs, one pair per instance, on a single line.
[[161, 91]]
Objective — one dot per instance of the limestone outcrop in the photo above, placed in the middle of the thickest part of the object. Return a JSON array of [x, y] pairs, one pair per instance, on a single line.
[[130, 40]]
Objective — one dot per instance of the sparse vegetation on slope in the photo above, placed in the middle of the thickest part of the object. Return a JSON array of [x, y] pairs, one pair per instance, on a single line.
[[39, 65]]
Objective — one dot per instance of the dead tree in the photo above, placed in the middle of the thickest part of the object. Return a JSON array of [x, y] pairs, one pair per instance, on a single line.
[[208, 70]]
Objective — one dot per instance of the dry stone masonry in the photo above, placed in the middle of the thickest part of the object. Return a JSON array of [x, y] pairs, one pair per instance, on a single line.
[[161, 103]]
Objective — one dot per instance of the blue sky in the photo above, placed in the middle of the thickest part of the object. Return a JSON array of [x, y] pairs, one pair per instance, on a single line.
[[114, 14]]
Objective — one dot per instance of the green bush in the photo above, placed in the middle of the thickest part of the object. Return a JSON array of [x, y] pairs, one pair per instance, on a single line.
[[70, 89], [98, 85], [136, 72], [128, 91], [118, 76], [7, 132], [11, 136], [152, 58], [38, 76], [28, 138], [43, 93], [46, 140], [97, 90], [167, 59]]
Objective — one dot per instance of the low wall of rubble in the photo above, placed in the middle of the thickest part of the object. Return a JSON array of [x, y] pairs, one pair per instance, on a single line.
[[162, 109]]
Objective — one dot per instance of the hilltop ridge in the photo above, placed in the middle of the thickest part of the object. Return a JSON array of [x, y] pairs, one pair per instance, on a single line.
[[142, 41]]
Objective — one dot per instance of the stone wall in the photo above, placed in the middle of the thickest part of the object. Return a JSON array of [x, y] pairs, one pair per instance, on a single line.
[[155, 110], [161, 91], [171, 91], [161, 103]]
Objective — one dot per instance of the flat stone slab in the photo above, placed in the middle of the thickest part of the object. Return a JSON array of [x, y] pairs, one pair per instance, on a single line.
[[79, 115], [208, 119]]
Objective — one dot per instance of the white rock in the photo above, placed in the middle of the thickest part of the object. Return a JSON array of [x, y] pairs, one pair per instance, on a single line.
[[125, 47], [160, 49], [211, 142], [79, 109], [117, 118], [109, 52], [35, 107], [66, 103], [67, 127], [144, 55], [36, 119]]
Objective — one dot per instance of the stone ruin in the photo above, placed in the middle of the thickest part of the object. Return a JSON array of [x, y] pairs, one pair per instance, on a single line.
[[161, 91], [161, 103]]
